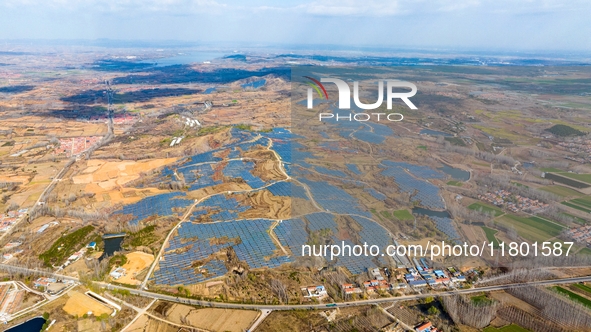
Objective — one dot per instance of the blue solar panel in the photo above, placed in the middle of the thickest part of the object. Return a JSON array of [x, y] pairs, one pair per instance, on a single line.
[[287, 189], [376, 194], [330, 172], [334, 199], [157, 205], [420, 190], [249, 239], [353, 168]]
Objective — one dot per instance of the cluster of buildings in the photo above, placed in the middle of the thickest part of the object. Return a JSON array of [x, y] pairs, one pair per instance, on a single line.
[[8, 219], [580, 234], [9, 255], [580, 146], [51, 285], [176, 141], [118, 273], [424, 275], [314, 291], [421, 275], [426, 327], [119, 118], [75, 145], [191, 122], [512, 202]]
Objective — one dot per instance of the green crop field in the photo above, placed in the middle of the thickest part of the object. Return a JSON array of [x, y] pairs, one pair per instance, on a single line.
[[581, 177], [577, 219], [386, 214], [455, 183], [551, 169], [583, 288], [561, 191], [507, 328], [403, 215], [490, 235], [533, 228], [573, 296], [479, 206], [574, 206], [583, 201]]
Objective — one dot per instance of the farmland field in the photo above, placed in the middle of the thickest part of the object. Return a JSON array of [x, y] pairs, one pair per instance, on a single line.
[[561, 191], [566, 180], [580, 177], [583, 288], [487, 208], [403, 215], [574, 297], [508, 328], [212, 319], [577, 219], [533, 228], [583, 201], [575, 206], [490, 235]]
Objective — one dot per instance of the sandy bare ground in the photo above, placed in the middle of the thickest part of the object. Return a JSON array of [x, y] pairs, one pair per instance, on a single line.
[[136, 262], [112, 174], [212, 319], [79, 304]]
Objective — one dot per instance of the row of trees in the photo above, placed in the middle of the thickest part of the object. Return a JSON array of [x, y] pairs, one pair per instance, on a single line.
[[482, 155], [553, 307], [465, 311], [492, 182]]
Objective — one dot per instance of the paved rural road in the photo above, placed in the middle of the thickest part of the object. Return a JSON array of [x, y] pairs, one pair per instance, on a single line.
[[299, 306]]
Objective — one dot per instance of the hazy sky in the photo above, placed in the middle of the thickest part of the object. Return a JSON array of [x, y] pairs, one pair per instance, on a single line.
[[470, 24]]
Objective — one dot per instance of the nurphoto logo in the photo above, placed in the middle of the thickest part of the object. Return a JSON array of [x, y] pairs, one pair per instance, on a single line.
[[344, 101]]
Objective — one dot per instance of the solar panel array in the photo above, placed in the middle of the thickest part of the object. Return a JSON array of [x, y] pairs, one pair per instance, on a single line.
[[254, 85], [242, 169], [160, 205], [333, 198], [423, 191], [289, 189], [292, 232], [376, 194], [380, 129], [353, 168], [221, 207], [368, 136], [249, 239], [336, 146], [446, 226], [330, 172], [370, 233], [419, 171]]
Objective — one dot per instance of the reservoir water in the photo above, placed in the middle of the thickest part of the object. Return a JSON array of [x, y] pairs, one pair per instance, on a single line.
[[434, 133], [184, 59], [33, 325], [456, 173], [112, 244], [430, 213]]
